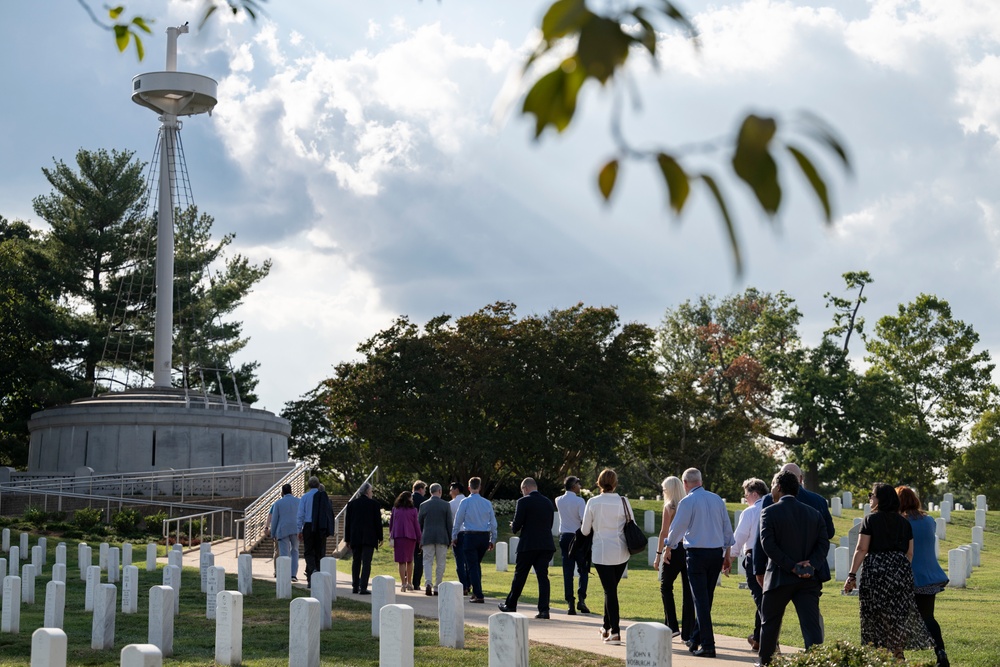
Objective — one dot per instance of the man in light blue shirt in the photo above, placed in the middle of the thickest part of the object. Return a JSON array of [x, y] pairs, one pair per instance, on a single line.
[[477, 523], [702, 522]]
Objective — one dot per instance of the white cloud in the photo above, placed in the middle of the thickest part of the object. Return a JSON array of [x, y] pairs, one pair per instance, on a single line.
[[979, 93]]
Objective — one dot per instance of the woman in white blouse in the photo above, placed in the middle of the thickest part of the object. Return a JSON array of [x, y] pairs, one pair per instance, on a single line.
[[605, 517]]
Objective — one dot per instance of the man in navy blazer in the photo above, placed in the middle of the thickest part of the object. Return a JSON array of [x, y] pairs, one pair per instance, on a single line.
[[793, 536], [533, 519], [807, 497]]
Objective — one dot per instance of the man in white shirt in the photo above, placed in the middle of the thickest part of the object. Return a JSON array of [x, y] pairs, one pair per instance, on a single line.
[[570, 507], [754, 491]]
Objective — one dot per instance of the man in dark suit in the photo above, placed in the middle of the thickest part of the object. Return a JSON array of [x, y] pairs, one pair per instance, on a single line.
[[419, 496], [806, 497], [794, 538], [533, 519], [363, 531]]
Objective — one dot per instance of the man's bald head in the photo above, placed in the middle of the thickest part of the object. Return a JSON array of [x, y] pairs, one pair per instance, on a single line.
[[794, 469]]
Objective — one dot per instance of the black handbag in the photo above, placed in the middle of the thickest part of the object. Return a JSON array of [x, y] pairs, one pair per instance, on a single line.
[[580, 544], [635, 539]]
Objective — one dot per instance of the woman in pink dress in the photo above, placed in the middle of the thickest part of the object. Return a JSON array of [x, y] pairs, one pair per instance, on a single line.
[[404, 529]]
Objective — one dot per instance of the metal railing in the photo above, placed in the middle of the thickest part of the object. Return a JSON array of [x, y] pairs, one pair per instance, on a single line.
[[201, 519], [336, 520], [211, 482], [258, 513]]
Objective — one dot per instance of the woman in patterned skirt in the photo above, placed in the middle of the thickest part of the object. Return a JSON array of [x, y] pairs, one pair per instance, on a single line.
[[889, 616]]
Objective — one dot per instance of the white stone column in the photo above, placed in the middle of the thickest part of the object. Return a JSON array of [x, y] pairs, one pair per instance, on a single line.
[[48, 647], [320, 589], [151, 557], [648, 644], [508, 640], [10, 619], [28, 584], [395, 646], [55, 604], [283, 580], [303, 633], [161, 619], [501, 556], [130, 590], [229, 628], [383, 593], [141, 655], [329, 565], [244, 574], [102, 630], [93, 581], [451, 615]]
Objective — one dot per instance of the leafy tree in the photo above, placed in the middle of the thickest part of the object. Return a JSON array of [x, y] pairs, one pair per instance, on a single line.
[[977, 467]]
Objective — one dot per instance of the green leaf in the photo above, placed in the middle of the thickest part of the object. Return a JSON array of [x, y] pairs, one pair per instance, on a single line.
[[209, 10], [823, 133], [564, 17], [648, 36], [606, 179], [115, 12], [552, 99], [141, 23], [139, 49], [676, 179], [122, 35], [817, 182], [753, 162], [603, 46], [676, 15], [730, 229]]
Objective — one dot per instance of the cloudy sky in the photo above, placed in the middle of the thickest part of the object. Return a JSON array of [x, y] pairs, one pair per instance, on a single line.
[[374, 152]]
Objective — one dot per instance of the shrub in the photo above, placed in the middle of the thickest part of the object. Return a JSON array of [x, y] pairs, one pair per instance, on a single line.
[[126, 522], [88, 518], [504, 507], [838, 654], [35, 516], [154, 523]]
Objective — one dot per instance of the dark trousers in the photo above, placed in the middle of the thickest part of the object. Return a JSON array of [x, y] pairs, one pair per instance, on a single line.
[[704, 567], [361, 568], [459, 551], [314, 547], [581, 561], [418, 564], [476, 545], [525, 561], [756, 591], [610, 575], [804, 594], [668, 575], [925, 604]]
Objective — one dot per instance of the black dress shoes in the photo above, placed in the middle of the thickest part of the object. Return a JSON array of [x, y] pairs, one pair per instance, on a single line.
[[507, 610], [582, 608], [704, 652], [542, 615], [571, 611]]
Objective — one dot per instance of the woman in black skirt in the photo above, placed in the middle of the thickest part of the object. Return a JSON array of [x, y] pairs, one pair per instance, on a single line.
[[889, 616]]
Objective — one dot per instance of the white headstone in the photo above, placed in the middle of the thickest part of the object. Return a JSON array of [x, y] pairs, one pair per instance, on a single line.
[[950, 499], [215, 578], [43, 542], [980, 502], [957, 568], [48, 647], [14, 561], [283, 578], [648, 644], [55, 604], [3, 568], [126, 554], [28, 584], [320, 589], [130, 590], [141, 655], [36, 558], [61, 553], [555, 524], [502, 557], [843, 562], [102, 559], [229, 628], [10, 619], [848, 500], [649, 521], [651, 544], [977, 535], [86, 559], [102, 630], [946, 511], [177, 547], [451, 615], [6, 540], [968, 560], [981, 518], [395, 645], [206, 560], [383, 593], [303, 633], [93, 581], [151, 557], [24, 544], [930, 507], [172, 578], [329, 565], [114, 564], [976, 553], [508, 640], [857, 521], [937, 547], [244, 574], [512, 550], [867, 509], [836, 507], [941, 528], [161, 619], [736, 519], [831, 556], [175, 558]]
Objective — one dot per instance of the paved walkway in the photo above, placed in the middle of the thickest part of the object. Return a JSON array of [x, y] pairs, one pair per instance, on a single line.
[[581, 632]]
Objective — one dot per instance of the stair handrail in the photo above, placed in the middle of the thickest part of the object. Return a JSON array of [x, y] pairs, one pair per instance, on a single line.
[[258, 513], [336, 520]]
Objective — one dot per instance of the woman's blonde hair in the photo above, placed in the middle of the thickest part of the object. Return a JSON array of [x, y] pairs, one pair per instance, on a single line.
[[607, 480], [673, 491]]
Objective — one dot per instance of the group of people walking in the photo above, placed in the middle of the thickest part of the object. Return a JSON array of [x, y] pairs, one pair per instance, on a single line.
[[782, 539], [307, 521]]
